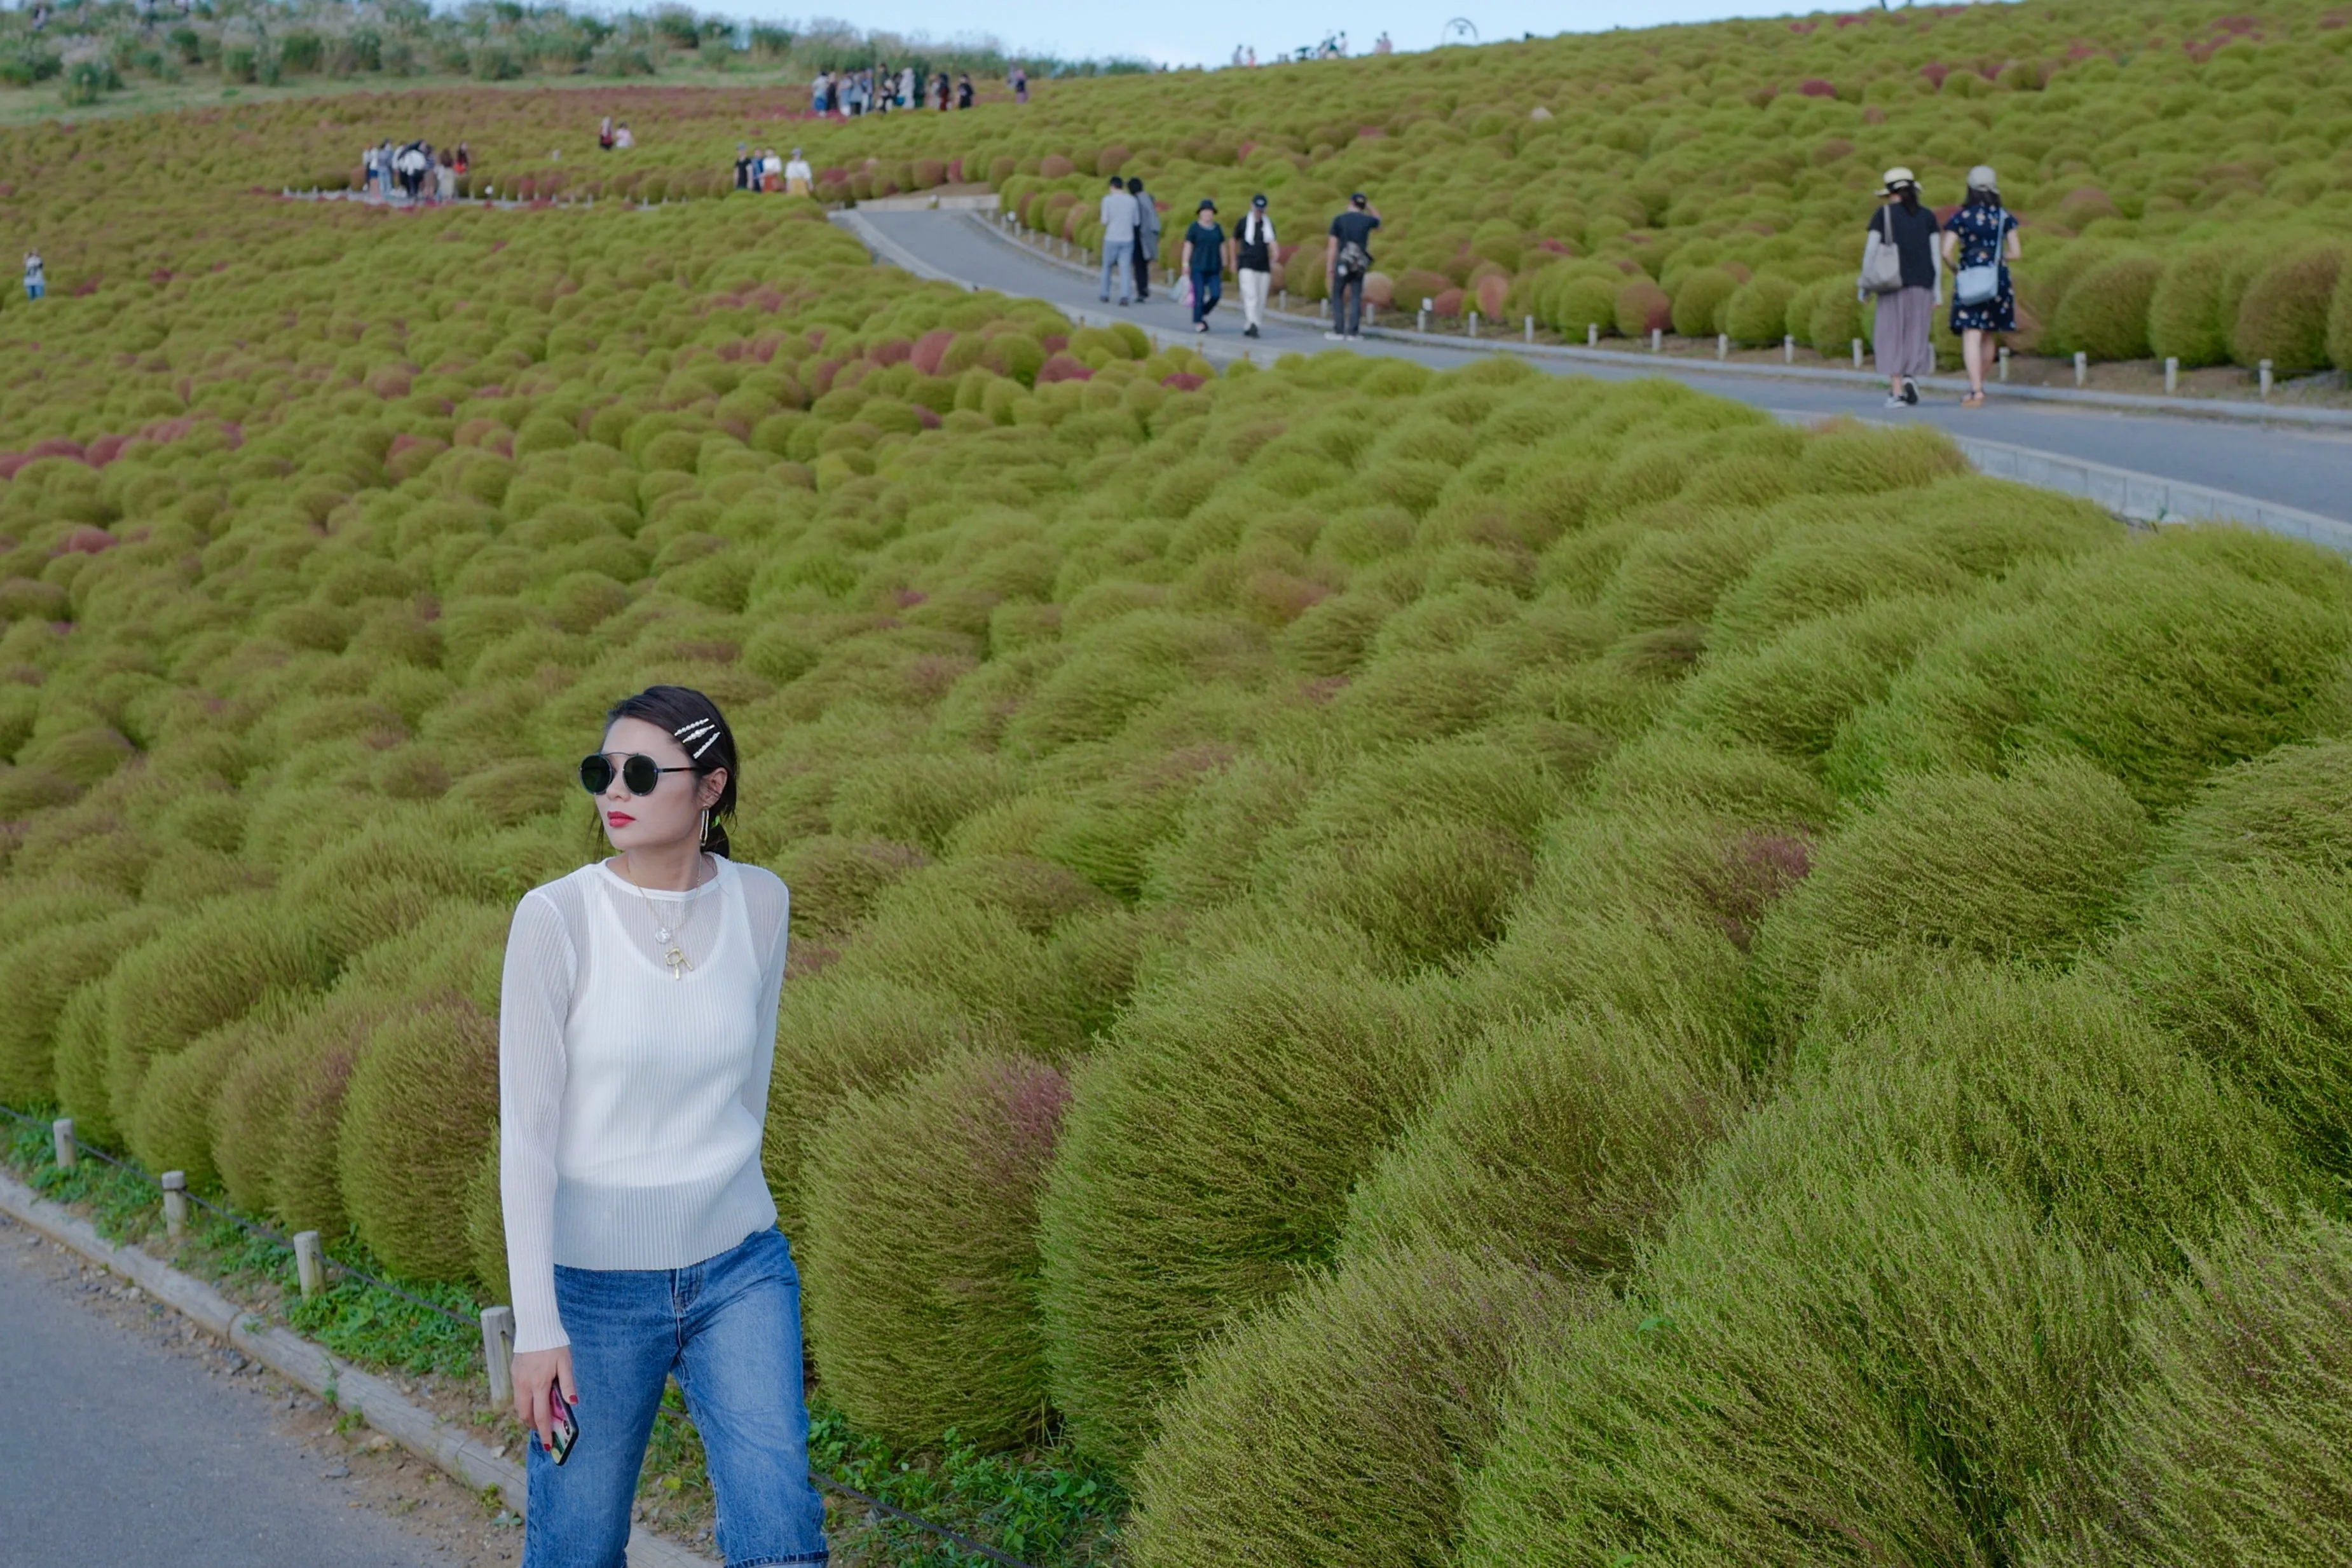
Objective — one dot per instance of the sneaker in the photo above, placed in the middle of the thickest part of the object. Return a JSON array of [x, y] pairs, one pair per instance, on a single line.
[[1105, 298], [1250, 331], [1200, 326], [1123, 303], [1895, 400], [1910, 391], [1335, 336]]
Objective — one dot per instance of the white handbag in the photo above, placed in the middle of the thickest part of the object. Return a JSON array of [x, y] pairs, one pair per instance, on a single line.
[[1882, 263]]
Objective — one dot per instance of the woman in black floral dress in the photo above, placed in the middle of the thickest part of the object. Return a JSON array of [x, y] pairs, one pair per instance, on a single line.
[[1983, 233]]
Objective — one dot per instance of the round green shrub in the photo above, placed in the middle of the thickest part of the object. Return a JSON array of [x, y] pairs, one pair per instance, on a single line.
[[1427, 891], [2284, 316], [1209, 1147], [485, 1218], [1587, 300], [2019, 867], [1836, 322], [2105, 313], [1757, 313], [422, 1100], [1334, 1426], [171, 1123], [45, 965], [81, 1060], [2248, 968], [2291, 806], [1643, 306], [2190, 310], [1699, 303], [1557, 1142], [922, 1251]]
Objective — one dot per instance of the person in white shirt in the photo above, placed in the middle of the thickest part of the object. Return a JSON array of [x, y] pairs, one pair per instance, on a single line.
[[622, 138], [36, 277], [799, 178], [637, 1034], [1120, 219]]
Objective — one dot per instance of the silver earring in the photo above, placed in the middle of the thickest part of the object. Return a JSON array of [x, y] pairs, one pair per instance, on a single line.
[[705, 840]]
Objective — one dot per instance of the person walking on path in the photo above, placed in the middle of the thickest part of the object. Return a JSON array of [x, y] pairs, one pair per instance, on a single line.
[[1120, 222], [1347, 259], [963, 89], [1020, 80], [636, 1036], [1979, 242], [1904, 334], [1254, 244], [820, 91], [799, 178], [444, 180], [36, 277], [1205, 260], [1147, 236]]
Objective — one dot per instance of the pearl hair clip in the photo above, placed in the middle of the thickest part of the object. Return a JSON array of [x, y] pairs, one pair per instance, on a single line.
[[686, 733]]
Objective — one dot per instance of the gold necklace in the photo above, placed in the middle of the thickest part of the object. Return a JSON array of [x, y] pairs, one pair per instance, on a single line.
[[673, 952]]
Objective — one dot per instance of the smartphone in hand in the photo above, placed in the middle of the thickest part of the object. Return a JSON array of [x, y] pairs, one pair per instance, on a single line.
[[565, 1430]]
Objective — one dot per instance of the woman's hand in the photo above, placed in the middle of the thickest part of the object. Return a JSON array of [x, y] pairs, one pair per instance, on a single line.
[[540, 1377]]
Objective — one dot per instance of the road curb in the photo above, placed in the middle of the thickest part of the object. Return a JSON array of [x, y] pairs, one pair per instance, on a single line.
[[429, 1436]]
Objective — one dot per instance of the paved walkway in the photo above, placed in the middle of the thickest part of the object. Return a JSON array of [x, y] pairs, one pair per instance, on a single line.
[[119, 1454], [2309, 470]]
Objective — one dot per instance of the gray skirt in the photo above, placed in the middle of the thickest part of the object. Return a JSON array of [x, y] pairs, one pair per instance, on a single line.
[[1906, 319]]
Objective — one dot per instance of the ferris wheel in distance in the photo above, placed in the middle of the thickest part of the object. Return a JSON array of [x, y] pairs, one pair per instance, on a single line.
[[1460, 30]]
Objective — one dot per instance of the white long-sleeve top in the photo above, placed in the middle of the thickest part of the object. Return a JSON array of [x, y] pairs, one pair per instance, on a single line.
[[631, 1103]]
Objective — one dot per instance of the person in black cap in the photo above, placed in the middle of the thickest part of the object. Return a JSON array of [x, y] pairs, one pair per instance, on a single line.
[[1348, 256], [1204, 262], [1253, 245]]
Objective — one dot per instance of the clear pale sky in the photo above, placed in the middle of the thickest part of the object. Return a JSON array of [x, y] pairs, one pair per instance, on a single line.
[[1204, 32]]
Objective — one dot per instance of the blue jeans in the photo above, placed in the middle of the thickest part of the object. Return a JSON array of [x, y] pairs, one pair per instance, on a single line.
[[1348, 304], [35, 290], [1114, 265], [1208, 288], [729, 1330]]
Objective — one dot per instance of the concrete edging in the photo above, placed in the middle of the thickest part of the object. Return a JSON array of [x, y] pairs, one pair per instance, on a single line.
[[295, 1359], [2133, 402]]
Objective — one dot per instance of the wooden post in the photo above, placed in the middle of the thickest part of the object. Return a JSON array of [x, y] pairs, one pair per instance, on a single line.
[[61, 1138], [1592, 334], [2266, 371], [1421, 319], [1657, 340], [1470, 327], [1788, 348], [498, 1352], [1531, 329], [1723, 345], [2081, 367], [307, 1267], [1857, 354], [2172, 373], [175, 1206], [1283, 302], [2004, 363]]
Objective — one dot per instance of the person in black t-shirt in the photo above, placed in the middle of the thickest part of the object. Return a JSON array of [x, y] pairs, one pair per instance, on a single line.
[[1902, 333], [1204, 262], [1254, 244], [1347, 256]]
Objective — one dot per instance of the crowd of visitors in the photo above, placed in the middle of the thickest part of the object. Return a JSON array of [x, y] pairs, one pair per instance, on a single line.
[[881, 90], [1903, 265], [611, 138], [764, 171], [414, 171]]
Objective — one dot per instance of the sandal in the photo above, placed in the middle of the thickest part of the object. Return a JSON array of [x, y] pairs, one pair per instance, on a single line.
[[1974, 399]]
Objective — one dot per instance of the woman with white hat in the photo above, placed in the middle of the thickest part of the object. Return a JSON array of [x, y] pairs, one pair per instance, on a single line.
[[1906, 327], [1979, 242]]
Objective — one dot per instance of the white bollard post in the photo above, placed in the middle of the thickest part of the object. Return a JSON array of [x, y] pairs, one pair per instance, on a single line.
[[1657, 340], [1421, 319], [1531, 329], [2081, 367], [1592, 334], [1788, 348], [498, 1352], [308, 1268], [1723, 345], [1857, 354], [175, 1206], [1283, 303], [2171, 373], [2266, 378], [61, 1139], [2004, 363], [1470, 327]]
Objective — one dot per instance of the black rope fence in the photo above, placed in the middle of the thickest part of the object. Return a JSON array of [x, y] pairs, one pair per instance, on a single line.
[[962, 1541]]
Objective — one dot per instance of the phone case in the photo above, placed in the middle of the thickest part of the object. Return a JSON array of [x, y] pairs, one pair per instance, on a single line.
[[566, 1431]]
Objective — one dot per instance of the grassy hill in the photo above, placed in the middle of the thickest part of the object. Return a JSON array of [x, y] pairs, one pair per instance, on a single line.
[[1474, 968]]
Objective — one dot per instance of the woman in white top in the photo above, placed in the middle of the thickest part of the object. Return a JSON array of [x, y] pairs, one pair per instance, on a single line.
[[636, 1030]]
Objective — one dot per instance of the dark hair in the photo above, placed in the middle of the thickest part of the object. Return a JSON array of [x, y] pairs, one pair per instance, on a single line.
[[695, 722], [1908, 194], [1135, 184], [1982, 197]]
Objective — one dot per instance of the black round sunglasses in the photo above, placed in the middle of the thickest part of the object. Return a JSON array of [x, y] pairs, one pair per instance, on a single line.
[[641, 773]]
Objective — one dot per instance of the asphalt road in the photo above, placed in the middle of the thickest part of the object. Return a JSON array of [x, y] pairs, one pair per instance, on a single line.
[[115, 1453], [2311, 470]]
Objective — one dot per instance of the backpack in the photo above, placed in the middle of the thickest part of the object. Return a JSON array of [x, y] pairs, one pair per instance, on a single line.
[[1353, 258]]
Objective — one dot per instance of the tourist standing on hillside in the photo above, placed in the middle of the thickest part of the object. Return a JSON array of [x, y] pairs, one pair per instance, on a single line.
[[622, 138], [1904, 334], [820, 91], [445, 179], [963, 89], [1253, 245], [1204, 261], [604, 134], [1020, 83], [1120, 222], [36, 277], [1347, 259], [799, 178], [1147, 236], [1979, 242], [637, 1034]]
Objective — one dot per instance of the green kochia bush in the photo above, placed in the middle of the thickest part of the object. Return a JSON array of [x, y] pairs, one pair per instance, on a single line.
[[1851, 1367], [1334, 1427], [422, 1101], [2226, 1443], [921, 1252], [2024, 867], [2291, 806], [1556, 1142], [1207, 1151]]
